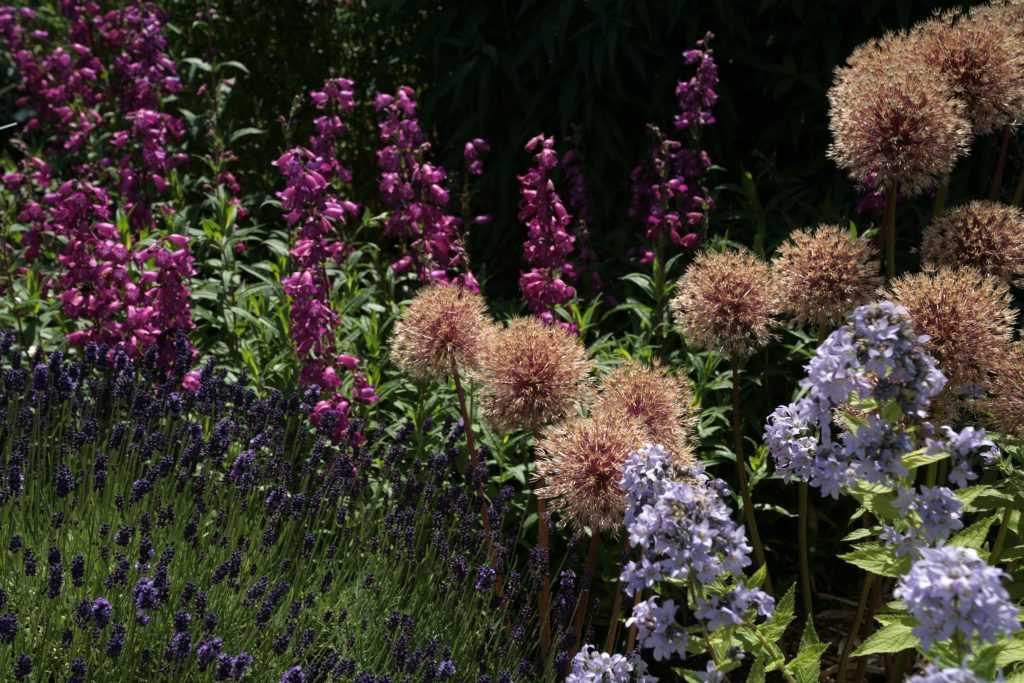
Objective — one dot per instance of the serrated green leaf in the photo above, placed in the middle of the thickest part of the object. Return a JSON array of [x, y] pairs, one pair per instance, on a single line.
[[1012, 652], [877, 559], [921, 457], [974, 536], [785, 611], [858, 534], [891, 638], [806, 665], [756, 674]]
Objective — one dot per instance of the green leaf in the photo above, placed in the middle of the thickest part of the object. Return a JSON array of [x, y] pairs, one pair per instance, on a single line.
[[878, 499], [1012, 652], [858, 534], [920, 457], [785, 611], [806, 666], [974, 536], [642, 281], [246, 132], [891, 638], [877, 559], [756, 674]]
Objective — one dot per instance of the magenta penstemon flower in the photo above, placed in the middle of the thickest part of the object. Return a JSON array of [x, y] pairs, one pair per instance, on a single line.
[[548, 243], [416, 194], [315, 210], [667, 194]]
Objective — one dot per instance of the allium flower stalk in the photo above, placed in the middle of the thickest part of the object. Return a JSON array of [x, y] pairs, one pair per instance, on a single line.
[[684, 531], [531, 375], [727, 301], [955, 596], [661, 402], [968, 319], [984, 235], [416, 195], [823, 274], [549, 244]]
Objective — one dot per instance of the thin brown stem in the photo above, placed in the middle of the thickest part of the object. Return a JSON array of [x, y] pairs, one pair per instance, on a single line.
[[631, 635], [588, 582], [741, 470], [544, 542], [1018, 192], [474, 460], [805, 562], [997, 176], [858, 619], [613, 624]]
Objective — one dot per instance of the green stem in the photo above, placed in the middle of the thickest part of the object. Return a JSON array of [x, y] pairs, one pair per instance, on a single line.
[[741, 470], [858, 618], [997, 546], [889, 233], [805, 564], [931, 474]]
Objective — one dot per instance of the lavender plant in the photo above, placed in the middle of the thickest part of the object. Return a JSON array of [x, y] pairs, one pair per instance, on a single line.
[[181, 525]]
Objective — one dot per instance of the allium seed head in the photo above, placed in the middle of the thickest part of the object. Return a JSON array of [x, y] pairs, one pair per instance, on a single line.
[[661, 402], [982, 60], [986, 235], [444, 326], [894, 115], [580, 465], [726, 300], [1005, 403], [825, 273], [532, 374], [968, 317]]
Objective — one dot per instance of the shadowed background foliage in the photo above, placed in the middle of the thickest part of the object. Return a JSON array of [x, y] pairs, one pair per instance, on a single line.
[[591, 73]]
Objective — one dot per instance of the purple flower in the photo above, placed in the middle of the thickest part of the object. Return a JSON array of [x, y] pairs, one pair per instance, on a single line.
[[22, 666], [293, 675], [548, 244], [592, 666], [8, 627], [964, 446], [100, 610], [933, 674], [951, 591]]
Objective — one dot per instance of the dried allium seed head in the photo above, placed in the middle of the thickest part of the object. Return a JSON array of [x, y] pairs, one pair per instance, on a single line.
[[1009, 14], [660, 402], [986, 235], [580, 464], [893, 115], [444, 325], [532, 374], [824, 274], [968, 317], [726, 300], [1005, 402], [982, 59]]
